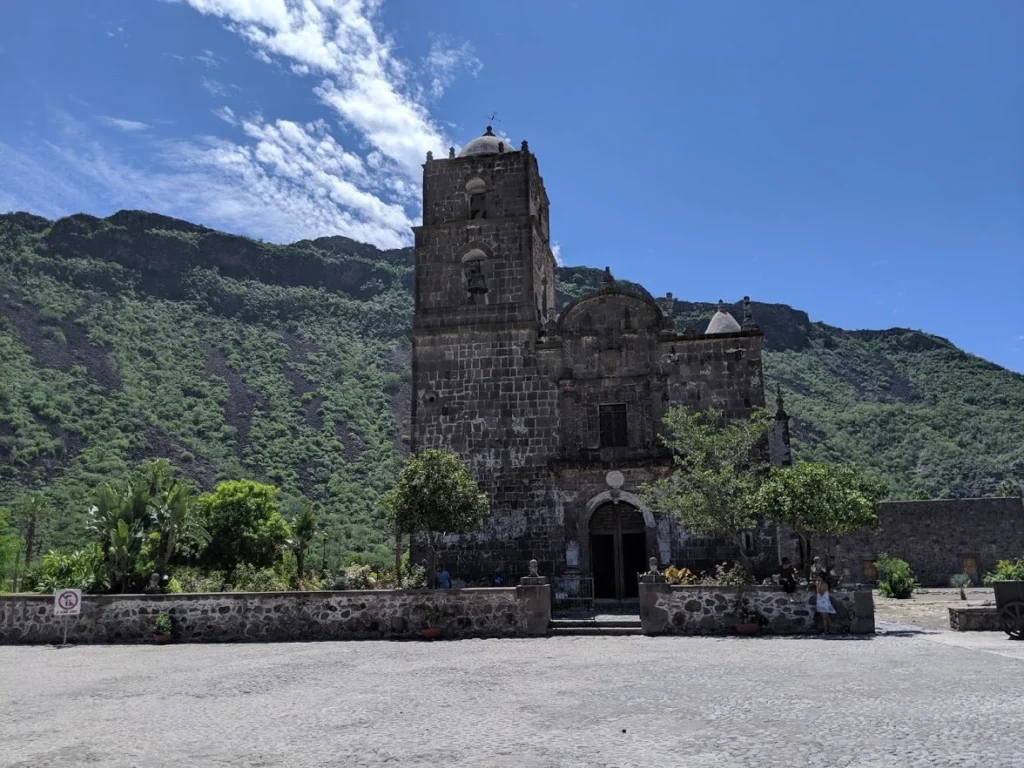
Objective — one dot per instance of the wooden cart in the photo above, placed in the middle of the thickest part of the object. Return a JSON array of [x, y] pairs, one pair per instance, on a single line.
[[1010, 604]]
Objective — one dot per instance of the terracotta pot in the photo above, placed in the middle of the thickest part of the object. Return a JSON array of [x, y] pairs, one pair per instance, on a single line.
[[747, 629], [432, 633], [161, 639]]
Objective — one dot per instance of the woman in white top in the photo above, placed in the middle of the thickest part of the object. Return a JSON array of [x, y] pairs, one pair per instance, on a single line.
[[824, 605]]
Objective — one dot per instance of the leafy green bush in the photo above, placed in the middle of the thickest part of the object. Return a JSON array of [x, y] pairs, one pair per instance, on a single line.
[[249, 578], [895, 579], [725, 575], [163, 624], [84, 570], [1006, 570]]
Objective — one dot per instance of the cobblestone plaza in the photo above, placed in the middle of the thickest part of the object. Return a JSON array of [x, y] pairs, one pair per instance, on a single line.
[[903, 697]]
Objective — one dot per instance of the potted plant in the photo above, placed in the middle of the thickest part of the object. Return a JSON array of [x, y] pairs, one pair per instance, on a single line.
[[433, 621], [162, 632], [748, 620]]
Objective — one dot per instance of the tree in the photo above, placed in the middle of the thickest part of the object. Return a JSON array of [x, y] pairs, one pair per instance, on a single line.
[[10, 549], [176, 517], [435, 495], [304, 528], [831, 500], [28, 512], [716, 470], [119, 519], [244, 523]]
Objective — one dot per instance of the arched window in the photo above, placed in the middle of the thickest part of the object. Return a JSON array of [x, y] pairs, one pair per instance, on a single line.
[[473, 272], [476, 192]]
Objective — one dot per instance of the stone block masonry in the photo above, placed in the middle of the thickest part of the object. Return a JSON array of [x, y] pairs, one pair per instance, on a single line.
[[938, 537], [283, 616], [698, 610]]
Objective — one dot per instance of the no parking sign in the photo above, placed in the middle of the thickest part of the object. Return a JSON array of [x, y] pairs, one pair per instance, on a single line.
[[67, 602]]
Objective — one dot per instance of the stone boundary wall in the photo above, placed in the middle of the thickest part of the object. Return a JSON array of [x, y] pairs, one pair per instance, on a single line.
[[939, 537], [283, 616], [700, 610], [975, 619]]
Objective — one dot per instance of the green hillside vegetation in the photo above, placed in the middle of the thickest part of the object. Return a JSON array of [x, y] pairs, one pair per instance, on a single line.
[[138, 337]]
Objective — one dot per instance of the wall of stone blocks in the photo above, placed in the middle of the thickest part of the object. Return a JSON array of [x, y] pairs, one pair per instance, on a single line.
[[937, 537], [683, 610], [282, 616]]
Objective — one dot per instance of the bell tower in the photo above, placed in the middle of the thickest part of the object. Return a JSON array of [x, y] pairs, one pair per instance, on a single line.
[[484, 292], [483, 254]]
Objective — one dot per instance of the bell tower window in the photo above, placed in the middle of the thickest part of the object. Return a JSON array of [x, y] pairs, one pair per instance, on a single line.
[[478, 205]]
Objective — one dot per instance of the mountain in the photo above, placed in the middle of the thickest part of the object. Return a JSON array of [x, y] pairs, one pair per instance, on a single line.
[[141, 336]]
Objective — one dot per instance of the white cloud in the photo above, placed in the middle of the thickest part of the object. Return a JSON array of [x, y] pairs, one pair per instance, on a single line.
[[209, 59], [556, 249], [277, 178], [226, 114], [445, 60], [121, 124], [214, 87], [291, 181], [363, 81]]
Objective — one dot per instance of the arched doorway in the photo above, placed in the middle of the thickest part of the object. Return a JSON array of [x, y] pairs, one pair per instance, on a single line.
[[618, 550]]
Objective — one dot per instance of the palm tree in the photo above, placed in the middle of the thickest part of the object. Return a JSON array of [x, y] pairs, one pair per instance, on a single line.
[[28, 513], [118, 519], [176, 517], [303, 526]]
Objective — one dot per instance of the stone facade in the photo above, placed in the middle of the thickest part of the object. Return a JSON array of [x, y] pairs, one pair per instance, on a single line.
[[699, 610], [558, 417], [283, 616], [938, 538]]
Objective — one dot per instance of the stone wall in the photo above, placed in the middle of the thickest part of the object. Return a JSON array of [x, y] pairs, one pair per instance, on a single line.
[[283, 616], [939, 538], [699, 610]]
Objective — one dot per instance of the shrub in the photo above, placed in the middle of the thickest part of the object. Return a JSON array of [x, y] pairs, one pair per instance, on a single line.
[[1006, 570], [192, 580], [675, 575], [173, 586], [249, 578], [356, 577], [83, 569], [163, 624], [725, 576], [960, 580], [895, 577]]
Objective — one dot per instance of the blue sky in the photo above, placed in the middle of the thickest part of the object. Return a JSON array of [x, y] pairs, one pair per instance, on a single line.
[[861, 161]]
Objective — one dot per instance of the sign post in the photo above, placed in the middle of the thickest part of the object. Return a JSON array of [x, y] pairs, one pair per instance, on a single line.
[[67, 602]]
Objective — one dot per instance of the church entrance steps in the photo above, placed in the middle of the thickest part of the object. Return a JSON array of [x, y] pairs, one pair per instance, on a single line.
[[600, 625]]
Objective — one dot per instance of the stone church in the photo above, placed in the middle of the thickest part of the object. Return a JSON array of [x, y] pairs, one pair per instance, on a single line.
[[557, 414]]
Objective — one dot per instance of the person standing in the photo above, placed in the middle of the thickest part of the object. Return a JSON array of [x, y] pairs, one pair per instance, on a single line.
[[824, 605]]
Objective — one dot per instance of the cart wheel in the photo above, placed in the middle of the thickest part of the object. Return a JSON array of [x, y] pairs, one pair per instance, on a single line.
[[1012, 615]]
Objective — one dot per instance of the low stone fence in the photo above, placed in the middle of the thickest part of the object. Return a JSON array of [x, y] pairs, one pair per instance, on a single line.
[[703, 610], [284, 616], [981, 618]]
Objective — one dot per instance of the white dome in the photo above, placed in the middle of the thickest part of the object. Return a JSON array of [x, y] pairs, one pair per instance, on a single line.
[[722, 322], [485, 145]]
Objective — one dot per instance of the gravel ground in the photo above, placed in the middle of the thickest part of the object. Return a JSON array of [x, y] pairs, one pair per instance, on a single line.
[[903, 698], [928, 608]]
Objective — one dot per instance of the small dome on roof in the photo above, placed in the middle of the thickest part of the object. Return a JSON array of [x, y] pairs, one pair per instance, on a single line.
[[722, 322], [485, 145]]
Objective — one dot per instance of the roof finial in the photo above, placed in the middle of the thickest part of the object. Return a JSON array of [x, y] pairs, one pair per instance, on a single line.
[[525, 146], [721, 306], [488, 132], [607, 279], [430, 155], [451, 153], [748, 316]]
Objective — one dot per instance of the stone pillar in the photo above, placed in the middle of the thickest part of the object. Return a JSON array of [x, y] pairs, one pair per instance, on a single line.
[[863, 620], [652, 584], [534, 596]]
